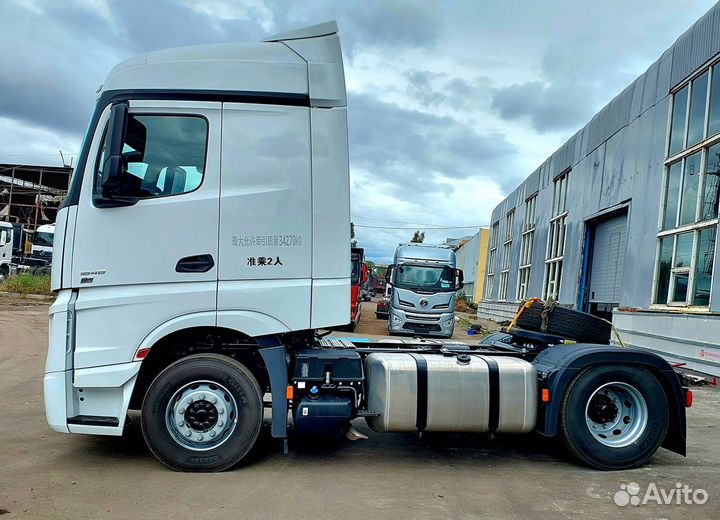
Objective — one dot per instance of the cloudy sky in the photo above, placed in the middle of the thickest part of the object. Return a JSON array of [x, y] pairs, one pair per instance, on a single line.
[[451, 103]]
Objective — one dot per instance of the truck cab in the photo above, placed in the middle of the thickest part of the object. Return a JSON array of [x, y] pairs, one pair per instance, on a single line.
[[42, 240], [212, 180], [424, 280]]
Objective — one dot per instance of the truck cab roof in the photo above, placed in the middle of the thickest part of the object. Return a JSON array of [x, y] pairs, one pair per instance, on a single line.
[[424, 253], [303, 64]]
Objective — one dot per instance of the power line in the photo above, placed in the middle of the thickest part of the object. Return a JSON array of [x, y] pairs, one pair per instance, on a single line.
[[413, 223], [395, 221], [422, 228]]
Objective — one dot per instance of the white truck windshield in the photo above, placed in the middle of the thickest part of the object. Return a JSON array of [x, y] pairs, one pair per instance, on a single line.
[[425, 278]]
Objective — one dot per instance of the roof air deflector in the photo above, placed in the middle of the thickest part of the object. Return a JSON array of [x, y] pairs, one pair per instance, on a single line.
[[314, 31]]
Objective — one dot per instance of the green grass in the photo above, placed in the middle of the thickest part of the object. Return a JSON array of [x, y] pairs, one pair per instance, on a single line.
[[27, 284]]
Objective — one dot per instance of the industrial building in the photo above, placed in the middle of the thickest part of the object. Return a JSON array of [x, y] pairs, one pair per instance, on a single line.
[[471, 255], [30, 195], [621, 221]]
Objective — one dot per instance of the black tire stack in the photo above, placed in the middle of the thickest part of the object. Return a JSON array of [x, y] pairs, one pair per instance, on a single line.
[[568, 323]]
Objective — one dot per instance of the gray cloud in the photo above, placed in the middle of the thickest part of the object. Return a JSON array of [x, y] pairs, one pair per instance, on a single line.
[[414, 144], [420, 87], [549, 108]]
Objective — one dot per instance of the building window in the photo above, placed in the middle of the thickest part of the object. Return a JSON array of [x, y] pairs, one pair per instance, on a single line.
[[686, 241], [689, 214], [491, 260], [556, 239], [695, 112], [526, 246], [507, 252]]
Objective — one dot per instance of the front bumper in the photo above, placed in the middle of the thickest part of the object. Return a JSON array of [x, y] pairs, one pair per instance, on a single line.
[[424, 324], [91, 400], [54, 386], [96, 402]]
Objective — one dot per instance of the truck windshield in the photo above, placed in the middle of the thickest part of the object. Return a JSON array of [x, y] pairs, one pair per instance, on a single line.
[[425, 278], [43, 239], [355, 276]]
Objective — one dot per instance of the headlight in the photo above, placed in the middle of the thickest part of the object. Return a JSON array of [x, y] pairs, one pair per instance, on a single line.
[[448, 325], [396, 320]]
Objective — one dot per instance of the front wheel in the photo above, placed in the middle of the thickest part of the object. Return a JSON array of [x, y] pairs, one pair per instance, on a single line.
[[614, 417], [202, 413]]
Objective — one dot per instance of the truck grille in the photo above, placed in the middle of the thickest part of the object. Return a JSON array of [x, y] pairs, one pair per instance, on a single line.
[[423, 317]]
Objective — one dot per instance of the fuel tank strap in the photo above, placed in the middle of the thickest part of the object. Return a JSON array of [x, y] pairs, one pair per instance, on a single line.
[[494, 393], [422, 391]]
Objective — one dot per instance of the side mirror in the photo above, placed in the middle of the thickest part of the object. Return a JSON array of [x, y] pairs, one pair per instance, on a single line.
[[390, 274], [113, 174], [459, 279], [366, 273]]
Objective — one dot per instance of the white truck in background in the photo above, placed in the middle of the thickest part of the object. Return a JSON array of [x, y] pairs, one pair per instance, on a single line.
[[42, 243], [203, 243], [424, 281]]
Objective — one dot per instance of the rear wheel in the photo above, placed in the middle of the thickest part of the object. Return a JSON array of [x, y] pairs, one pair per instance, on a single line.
[[614, 417], [202, 413]]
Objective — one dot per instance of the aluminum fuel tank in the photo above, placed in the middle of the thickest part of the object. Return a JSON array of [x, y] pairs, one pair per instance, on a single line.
[[433, 392]]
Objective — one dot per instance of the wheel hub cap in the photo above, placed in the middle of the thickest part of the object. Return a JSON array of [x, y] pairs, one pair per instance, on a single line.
[[602, 409], [201, 415], [616, 414]]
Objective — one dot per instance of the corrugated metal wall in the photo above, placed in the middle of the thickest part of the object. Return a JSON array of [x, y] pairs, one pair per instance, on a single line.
[[616, 157], [467, 259]]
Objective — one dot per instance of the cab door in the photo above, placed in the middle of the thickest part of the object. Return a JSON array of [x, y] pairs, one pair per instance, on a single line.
[[152, 264]]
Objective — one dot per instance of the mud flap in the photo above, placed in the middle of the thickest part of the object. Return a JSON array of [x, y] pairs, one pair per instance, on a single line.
[[275, 358]]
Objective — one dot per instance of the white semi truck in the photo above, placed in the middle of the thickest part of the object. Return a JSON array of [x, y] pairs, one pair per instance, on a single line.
[[202, 246], [424, 281], [42, 244]]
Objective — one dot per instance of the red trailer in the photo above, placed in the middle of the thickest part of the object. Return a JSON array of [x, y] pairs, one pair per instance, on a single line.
[[358, 278]]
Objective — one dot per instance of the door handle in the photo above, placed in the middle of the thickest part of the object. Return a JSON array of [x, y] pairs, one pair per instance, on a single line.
[[195, 264]]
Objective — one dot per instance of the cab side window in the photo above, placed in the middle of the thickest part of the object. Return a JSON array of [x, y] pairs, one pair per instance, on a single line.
[[162, 155]]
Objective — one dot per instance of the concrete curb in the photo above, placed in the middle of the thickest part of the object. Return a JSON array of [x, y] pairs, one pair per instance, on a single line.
[[36, 297]]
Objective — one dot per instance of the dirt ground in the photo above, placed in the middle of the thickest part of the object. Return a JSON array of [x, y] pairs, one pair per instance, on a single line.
[[52, 475]]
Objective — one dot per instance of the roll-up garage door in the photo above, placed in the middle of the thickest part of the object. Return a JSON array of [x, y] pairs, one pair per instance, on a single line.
[[608, 259]]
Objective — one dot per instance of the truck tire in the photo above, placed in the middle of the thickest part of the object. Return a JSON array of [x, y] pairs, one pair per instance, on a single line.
[[568, 323], [614, 417], [202, 413]]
